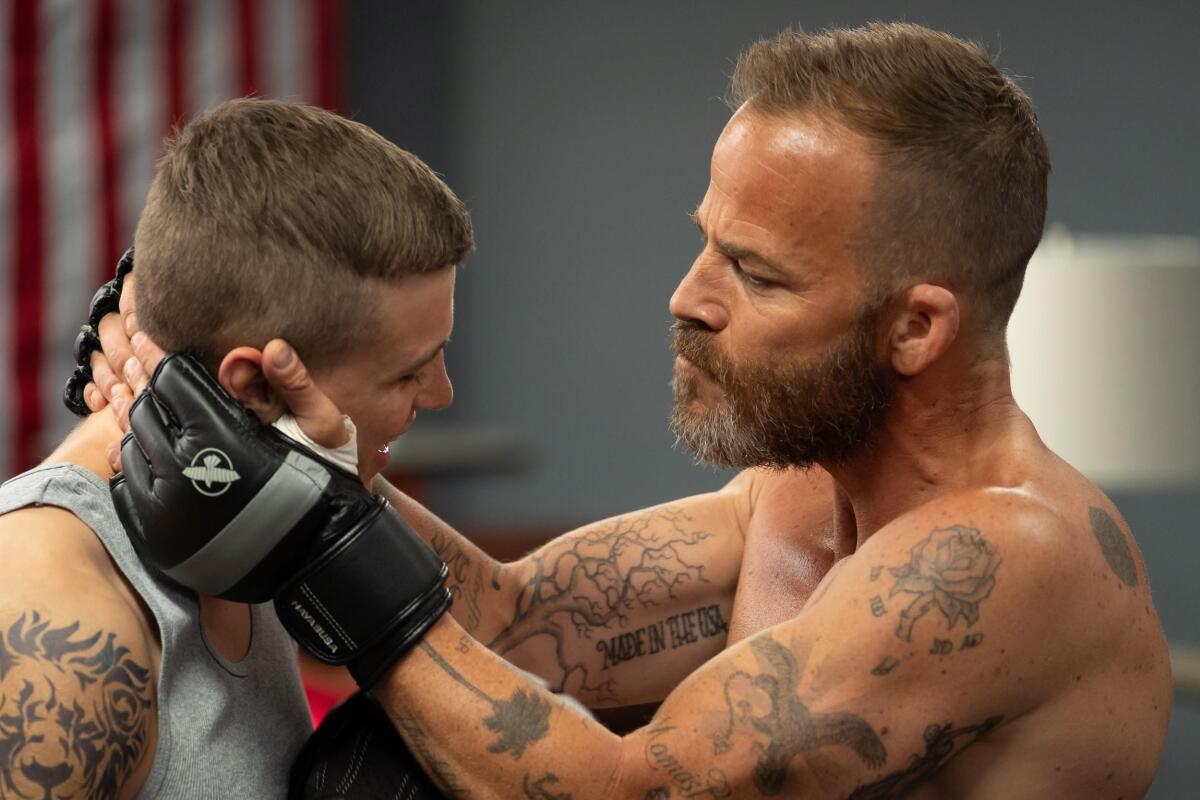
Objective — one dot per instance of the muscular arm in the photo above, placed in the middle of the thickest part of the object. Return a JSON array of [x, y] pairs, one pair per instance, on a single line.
[[78, 715], [914, 650], [614, 613]]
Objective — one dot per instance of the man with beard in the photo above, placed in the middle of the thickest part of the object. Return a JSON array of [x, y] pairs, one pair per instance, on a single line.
[[872, 205]]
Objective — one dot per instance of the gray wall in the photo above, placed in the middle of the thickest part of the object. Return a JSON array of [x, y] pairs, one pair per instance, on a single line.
[[579, 135]]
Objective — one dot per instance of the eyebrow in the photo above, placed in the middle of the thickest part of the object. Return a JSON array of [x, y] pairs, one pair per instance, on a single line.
[[423, 361], [738, 253]]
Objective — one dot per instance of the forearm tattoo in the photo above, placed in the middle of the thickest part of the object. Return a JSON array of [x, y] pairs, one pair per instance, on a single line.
[[951, 571], [436, 768], [521, 720], [594, 580], [75, 711], [465, 579], [765, 706]]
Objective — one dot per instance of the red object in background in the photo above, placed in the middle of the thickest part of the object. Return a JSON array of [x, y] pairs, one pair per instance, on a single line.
[[91, 90]]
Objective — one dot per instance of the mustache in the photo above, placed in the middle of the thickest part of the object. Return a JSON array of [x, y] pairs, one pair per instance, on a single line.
[[698, 345]]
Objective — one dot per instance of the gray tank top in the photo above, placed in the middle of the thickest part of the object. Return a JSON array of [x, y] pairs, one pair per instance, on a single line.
[[225, 730]]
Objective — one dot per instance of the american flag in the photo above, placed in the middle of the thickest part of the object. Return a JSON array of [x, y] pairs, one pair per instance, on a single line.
[[91, 87]]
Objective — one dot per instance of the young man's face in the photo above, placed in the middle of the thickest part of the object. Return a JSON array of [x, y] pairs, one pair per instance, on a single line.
[[382, 384]]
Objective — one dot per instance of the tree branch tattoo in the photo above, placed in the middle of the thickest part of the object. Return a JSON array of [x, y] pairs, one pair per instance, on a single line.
[[952, 570], [95, 739], [941, 742], [1113, 545], [595, 580], [789, 726], [520, 720]]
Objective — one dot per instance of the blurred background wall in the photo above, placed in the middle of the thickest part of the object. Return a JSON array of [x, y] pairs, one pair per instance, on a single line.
[[578, 134]]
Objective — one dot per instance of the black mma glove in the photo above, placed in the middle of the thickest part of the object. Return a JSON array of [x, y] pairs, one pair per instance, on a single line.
[[222, 504], [356, 754], [106, 301]]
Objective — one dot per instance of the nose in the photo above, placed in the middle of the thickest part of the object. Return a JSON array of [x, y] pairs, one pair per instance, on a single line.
[[437, 392], [696, 298]]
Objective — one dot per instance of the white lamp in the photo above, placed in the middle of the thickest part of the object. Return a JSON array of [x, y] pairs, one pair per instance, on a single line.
[[1104, 346]]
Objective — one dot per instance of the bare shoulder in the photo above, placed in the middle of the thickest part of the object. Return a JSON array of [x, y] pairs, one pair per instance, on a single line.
[[77, 665]]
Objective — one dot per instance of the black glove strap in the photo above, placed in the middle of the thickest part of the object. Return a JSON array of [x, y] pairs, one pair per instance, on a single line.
[[381, 583], [107, 300]]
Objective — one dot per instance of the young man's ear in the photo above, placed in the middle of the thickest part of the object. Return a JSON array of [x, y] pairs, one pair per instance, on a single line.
[[925, 326], [241, 374]]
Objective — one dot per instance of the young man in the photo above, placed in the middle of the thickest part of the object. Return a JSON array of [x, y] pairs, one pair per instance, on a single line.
[[264, 219], [872, 205]]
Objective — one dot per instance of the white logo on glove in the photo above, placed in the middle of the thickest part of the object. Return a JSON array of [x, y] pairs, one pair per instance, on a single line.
[[214, 470]]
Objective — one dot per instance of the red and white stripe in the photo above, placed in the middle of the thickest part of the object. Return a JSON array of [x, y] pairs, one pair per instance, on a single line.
[[90, 89]]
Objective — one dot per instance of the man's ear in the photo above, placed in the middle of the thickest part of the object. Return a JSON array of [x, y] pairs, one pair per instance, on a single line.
[[925, 325], [240, 373]]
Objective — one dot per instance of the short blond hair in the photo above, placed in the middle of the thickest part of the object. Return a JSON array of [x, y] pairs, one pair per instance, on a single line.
[[271, 219]]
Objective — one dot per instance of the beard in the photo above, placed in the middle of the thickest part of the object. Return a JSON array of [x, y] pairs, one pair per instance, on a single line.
[[782, 415]]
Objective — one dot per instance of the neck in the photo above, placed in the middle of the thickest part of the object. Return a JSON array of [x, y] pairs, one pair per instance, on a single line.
[[940, 436], [87, 445]]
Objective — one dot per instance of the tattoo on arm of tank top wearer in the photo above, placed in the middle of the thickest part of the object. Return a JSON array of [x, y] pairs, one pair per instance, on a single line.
[[583, 586], [75, 711], [952, 571], [1113, 545]]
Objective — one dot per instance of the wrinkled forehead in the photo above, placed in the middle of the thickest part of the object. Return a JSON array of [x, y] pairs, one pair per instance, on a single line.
[[795, 185]]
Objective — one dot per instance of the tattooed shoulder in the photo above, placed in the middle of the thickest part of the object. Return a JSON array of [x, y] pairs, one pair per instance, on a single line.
[[1113, 545], [948, 576], [76, 709]]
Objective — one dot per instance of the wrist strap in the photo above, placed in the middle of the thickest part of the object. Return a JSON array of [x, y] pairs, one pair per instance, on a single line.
[[377, 579]]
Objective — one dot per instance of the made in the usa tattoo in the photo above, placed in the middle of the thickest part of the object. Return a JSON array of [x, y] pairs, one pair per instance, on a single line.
[[766, 704], [941, 742], [521, 720], [677, 630], [592, 582], [1113, 545], [95, 739]]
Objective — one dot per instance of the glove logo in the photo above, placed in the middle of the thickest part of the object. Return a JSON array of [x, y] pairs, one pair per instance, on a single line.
[[211, 472]]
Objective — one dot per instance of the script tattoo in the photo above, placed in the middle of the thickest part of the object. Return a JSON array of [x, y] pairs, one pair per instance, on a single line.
[[787, 723], [677, 630], [952, 570], [520, 720], [941, 742], [595, 580], [540, 790], [437, 769], [712, 784], [1113, 545], [465, 576], [95, 738]]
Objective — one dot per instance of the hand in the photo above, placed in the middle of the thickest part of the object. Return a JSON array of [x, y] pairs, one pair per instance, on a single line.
[[226, 506]]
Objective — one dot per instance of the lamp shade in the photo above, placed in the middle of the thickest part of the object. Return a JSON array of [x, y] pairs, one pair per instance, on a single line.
[[1105, 350]]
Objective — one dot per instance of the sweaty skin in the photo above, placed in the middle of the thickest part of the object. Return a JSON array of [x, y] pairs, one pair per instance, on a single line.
[[982, 626]]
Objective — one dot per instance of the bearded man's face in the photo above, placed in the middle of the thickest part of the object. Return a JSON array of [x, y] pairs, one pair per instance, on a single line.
[[786, 413]]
